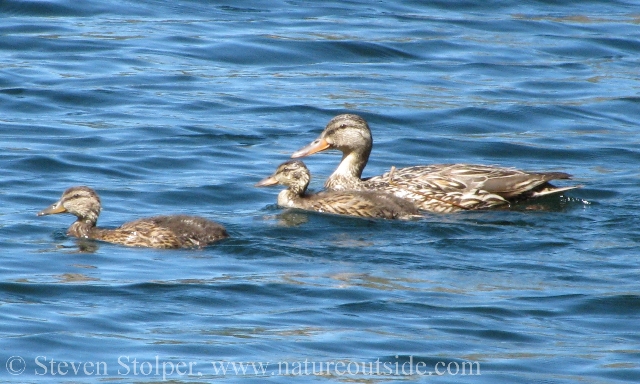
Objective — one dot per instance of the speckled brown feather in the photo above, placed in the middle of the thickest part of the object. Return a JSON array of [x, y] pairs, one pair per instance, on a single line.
[[363, 204], [175, 231], [295, 175], [437, 188]]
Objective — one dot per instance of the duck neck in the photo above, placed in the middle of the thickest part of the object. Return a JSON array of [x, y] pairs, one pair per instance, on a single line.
[[82, 228], [299, 189], [349, 172], [289, 198]]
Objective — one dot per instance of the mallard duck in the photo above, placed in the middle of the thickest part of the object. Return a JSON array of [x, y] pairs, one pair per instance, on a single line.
[[295, 175], [435, 188], [176, 231]]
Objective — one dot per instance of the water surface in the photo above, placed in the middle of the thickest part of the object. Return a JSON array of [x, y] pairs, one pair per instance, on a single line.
[[168, 107]]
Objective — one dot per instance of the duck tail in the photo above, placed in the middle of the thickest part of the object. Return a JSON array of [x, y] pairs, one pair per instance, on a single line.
[[549, 189]]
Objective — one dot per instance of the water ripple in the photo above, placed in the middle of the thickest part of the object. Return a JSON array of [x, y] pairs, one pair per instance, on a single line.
[[182, 107]]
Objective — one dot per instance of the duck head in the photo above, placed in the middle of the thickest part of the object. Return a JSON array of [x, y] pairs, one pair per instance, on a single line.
[[293, 174], [347, 133], [83, 202]]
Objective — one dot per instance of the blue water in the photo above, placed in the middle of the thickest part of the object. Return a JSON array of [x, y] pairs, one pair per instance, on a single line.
[[180, 107]]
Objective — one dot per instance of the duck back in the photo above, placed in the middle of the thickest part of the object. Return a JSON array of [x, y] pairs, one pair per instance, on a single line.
[[362, 204], [176, 231]]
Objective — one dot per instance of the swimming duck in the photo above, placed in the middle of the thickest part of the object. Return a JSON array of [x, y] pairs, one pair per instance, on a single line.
[[295, 175], [437, 188], [176, 231]]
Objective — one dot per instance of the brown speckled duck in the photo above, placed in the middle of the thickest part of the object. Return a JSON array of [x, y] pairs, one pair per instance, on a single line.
[[176, 231], [295, 175], [436, 188]]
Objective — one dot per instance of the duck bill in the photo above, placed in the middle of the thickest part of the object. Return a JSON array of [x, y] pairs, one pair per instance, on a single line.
[[53, 209], [316, 146], [266, 182]]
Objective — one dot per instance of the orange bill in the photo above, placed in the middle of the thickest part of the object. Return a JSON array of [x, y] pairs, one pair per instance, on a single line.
[[266, 182], [53, 209], [317, 145]]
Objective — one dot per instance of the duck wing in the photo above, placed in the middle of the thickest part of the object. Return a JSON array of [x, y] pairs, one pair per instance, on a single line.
[[138, 233], [192, 231], [176, 231], [362, 204], [508, 183]]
